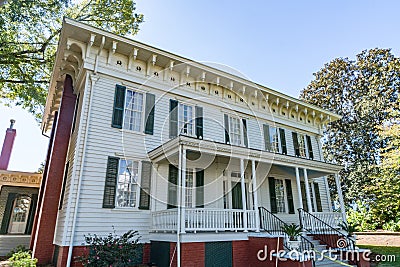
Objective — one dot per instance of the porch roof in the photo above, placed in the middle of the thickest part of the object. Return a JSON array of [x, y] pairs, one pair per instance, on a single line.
[[171, 147]]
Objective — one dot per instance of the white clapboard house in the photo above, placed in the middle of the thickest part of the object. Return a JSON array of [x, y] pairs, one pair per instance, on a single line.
[[193, 157]]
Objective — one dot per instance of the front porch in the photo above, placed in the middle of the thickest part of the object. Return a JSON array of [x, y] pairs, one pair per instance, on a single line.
[[223, 186]]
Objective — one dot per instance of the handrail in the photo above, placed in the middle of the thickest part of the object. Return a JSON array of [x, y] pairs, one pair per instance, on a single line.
[[324, 232], [272, 224]]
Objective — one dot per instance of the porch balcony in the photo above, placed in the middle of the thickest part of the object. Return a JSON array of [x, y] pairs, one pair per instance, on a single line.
[[235, 182]]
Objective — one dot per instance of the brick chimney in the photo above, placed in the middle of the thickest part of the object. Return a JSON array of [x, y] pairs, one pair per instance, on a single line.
[[7, 146]]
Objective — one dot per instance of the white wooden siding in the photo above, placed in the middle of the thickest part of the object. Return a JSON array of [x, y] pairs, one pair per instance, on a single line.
[[103, 141]]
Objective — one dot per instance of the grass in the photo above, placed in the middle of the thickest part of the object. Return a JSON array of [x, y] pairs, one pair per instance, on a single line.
[[379, 251]]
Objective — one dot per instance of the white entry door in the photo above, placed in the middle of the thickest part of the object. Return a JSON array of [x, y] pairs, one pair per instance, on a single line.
[[19, 215]]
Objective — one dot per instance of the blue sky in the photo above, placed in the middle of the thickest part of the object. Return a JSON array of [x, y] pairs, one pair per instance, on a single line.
[[279, 44]]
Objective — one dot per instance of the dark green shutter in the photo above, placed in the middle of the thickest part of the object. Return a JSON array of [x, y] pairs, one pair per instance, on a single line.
[[309, 146], [267, 138], [7, 213], [145, 186], [75, 113], [199, 122], [272, 194], [226, 124], [173, 118], [200, 189], [296, 144], [32, 210], [283, 140], [237, 202], [304, 195], [149, 113], [60, 204], [245, 138], [289, 195], [119, 101], [172, 187], [317, 197], [110, 183]]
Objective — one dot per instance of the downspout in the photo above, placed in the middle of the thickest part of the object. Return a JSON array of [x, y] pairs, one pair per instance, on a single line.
[[178, 232], [93, 78]]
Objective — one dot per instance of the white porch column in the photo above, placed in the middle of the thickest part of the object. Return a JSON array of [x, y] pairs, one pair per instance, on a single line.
[[309, 204], [340, 194], [243, 186], [183, 194], [153, 188], [255, 193], [299, 187]]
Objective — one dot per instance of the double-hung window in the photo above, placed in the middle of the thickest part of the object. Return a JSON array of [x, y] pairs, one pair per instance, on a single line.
[[133, 110], [127, 183], [302, 145], [235, 130], [280, 196], [274, 139], [186, 119]]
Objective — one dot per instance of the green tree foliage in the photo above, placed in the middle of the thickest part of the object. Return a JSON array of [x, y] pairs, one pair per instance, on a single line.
[[385, 187], [29, 31], [361, 91]]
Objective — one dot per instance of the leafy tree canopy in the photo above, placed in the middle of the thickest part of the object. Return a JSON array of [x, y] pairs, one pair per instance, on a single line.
[[29, 31], [362, 91]]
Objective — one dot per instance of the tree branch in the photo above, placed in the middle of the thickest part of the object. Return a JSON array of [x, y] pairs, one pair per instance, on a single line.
[[21, 81]]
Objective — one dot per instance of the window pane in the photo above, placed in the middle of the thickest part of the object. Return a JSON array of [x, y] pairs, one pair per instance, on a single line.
[[302, 145], [235, 131], [273, 139], [189, 189], [127, 183], [280, 195], [185, 119], [133, 110]]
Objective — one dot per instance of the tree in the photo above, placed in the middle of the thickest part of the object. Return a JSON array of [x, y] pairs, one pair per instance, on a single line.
[[361, 91], [385, 186], [29, 31]]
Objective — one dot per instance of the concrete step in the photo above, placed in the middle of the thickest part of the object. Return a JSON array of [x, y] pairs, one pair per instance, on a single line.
[[330, 263]]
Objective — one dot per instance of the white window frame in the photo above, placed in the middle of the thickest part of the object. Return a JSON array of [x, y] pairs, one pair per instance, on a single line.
[[192, 189], [192, 120], [276, 149], [284, 196], [142, 117], [230, 117], [302, 149], [137, 184]]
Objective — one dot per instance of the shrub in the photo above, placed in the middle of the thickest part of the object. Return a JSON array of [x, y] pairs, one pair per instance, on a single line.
[[112, 250], [392, 226], [361, 218], [22, 259], [292, 230], [18, 248]]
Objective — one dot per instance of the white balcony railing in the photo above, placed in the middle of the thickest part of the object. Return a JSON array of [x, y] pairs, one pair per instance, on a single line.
[[198, 219]]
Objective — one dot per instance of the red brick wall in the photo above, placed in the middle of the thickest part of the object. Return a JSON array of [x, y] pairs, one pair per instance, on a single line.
[[240, 253], [43, 243], [193, 254], [146, 253]]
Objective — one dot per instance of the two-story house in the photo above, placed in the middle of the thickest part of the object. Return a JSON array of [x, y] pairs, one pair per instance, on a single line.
[[200, 161]]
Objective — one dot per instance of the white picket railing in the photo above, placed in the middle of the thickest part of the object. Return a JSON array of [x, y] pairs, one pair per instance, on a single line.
[[198, 219]]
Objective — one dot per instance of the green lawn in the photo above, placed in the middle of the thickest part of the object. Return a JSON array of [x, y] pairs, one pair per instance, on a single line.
[[385, 251]]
